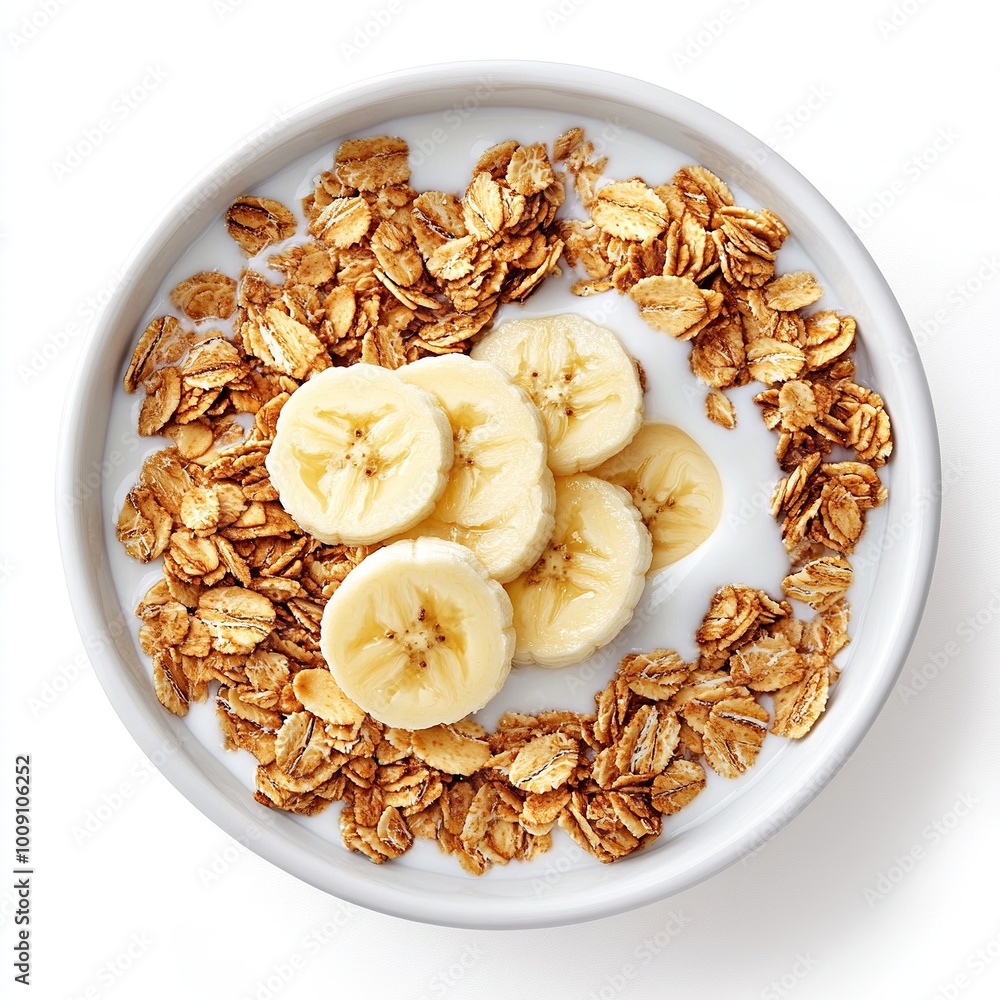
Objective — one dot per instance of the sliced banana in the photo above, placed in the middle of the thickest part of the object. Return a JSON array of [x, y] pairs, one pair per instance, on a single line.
[[584, 588], [359, 455], [418, 634], [500, 496], [675, 486], [580, 377]]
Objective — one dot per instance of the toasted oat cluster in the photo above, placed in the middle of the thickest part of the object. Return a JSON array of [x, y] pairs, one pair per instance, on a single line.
[[702, 269], [385, 274]]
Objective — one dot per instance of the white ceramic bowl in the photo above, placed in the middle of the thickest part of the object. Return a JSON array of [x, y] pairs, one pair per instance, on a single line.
[[563, 886]]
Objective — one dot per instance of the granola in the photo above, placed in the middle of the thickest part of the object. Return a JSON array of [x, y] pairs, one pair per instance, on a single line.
[[386, 274]]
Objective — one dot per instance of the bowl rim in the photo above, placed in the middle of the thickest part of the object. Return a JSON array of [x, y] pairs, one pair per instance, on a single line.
[[554, 84]]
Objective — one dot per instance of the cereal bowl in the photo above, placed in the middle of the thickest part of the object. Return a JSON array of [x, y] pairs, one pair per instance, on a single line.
[[449, 116]]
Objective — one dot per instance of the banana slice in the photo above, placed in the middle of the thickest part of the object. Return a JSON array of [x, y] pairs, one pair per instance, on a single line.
[[580, 377], [418, 634], [500, 495], [675, 485], [582, 591], [359, 455]]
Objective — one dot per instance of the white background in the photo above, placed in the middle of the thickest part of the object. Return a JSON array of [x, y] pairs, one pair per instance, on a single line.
[[887, 885]]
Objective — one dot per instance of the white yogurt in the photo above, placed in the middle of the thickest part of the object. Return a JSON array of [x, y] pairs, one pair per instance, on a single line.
[[745, 548]]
